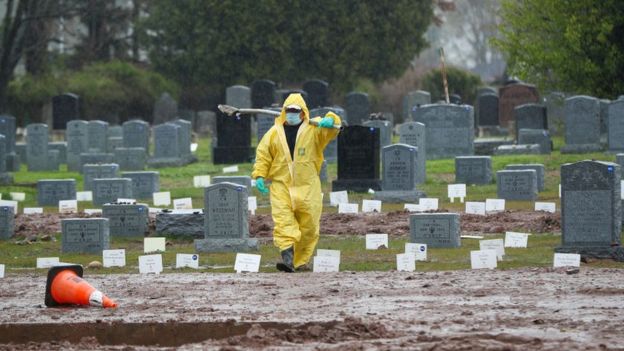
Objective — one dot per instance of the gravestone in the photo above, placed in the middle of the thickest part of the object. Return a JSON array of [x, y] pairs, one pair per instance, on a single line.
[[487, 114], [85, 235], [37, 147], [8, 129], [358, 159], [238, 96], [554, 102], [262, 93], [604, 116], [54, 161], [241, 180], [449, 130], [264, 122], [165, 109], [180, 224], [115, 131], [473, 169], [385, 131], [108, 190], [318, 93], [520, 149], [357, 107], [126, 220], [398, 183], [233, 140], [114, 143], [226, 223], [517, 185], [413, 133], [95, 158], [5, 178], [144, 184], [539, 169], [20, 150], [186, 138], [130, 158], [582, 125], [7, 222], [98, 137], [51, 191], [96, 171], [136, 134], [65, 107], [513, 95], [414, 99], [331, 150], [77, 137], [615, 135], [61, 147], [536, 136], [166, 146], [530, 116], [437, 230], [591, 209], [486, 90]]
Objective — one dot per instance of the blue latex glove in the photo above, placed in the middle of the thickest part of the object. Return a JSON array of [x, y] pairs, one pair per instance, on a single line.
[[260, 186], [326, 122]]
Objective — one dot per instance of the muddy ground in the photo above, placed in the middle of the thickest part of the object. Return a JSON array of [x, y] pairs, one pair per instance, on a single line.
[[527, 309]]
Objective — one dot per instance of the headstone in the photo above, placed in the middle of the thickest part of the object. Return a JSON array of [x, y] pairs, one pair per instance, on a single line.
[[98, 137], [331, 150], [77, 137], [7, 222], [414, 99], [473, 170], [241, 180], [554, 102], [165, 109], [130, 158], [517, 185], [20, 150], [486, 90], [615, 135], [530, 116], [238, 96], [539, 169], [357, 107], [264, 122], [37, 147], [96, 171], [126, 220], [136, 134], [51, 191], [358, 159], [619, 159], [604, 116], [226, 223], [513, 95], [54, 161], [65, 108], [167, 151], [449, 130], [95, 158], [108, 190], [399, 169], [318, 93], [61, 147], [536, 136], [185, 140], [114, 143], [8, 129], [520, 149], [385, 131], [582, 125], [262, 93], [180, 224], [85, 235], [115, 131], [413, 133], [206, 123], [233, 140], [488, 110], [435, 229], [144, 184], [591, 210]]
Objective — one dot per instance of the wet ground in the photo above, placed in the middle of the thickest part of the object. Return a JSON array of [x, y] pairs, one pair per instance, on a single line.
[[527, 309]]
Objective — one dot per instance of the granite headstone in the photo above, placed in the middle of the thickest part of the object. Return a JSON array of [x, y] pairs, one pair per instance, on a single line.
[[358, 159], [449, 130], [517, 185], [126, 220], [144, 184], [473, 169], [51, 191], [582, 125], [437, 230], [357, 107], [413, 133], [108, 190], [84, 235]]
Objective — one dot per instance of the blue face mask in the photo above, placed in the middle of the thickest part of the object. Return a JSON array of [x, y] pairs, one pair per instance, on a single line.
[[292, 118]]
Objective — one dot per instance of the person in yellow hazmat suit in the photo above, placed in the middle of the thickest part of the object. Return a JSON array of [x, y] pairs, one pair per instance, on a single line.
[[290, 155]]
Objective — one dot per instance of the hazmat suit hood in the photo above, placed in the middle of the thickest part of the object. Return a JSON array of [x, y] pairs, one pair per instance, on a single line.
[[293, 99]]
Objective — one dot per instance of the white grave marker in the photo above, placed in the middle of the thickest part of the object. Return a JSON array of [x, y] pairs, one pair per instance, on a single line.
[[201, 181], [150, 264], [483, 259], [371, 206], [476, 208], [18, 196], [194, 147], [413, 207], [247, 263], [546, 206], [122, 200], [406, 262], [457, 190], [328, 253], [497, 245], [560, 191], [230, 169], [114, 258], [47, 262], [1, 271], [92, 211], [33, 210], [11, 203], [68, 206], [154, 245], [566, 260], [494, 205], [162, 198], [187, 260], [338, 197], [84, 196], [185, 203], [418, 250], [428, 204], [323, 264], [252, 204], [376, 241], [513, 239], [348, 208]]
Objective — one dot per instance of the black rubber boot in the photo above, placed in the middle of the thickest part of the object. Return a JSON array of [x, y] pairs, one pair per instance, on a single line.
[[287, 261]]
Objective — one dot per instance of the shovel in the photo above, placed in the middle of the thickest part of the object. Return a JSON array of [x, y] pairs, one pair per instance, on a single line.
[[235, 111]]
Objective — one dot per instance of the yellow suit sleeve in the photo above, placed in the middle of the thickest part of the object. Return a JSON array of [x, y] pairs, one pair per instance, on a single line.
[[325, 135], [264, 159]]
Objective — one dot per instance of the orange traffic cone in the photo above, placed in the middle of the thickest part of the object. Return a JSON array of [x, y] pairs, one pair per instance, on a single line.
[[66, 287]]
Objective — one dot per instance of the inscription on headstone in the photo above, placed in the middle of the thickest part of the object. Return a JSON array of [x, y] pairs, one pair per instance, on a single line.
[[413, 133], [126, 220], [51, 191], [517, 185], [435, 229], [107, 190], [473, 170], [85, 235], [539, 171]]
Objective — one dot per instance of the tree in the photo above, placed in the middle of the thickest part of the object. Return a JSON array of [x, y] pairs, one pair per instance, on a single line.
[[573, 45], [225, 42]]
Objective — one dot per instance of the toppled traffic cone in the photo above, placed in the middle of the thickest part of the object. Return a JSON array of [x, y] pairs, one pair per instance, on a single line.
[[65, 286]]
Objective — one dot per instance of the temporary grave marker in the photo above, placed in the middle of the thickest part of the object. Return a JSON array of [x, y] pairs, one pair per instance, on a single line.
[[153, 245], [47, 262], [376, 241], [323, 264], [479, 237], [513, 239], [560, 191], [252, 204], [92, 211], [33, 210], [476, 208], [150, 264], [247, 263], [68, 206], [406, 262], [11, 203], [84, 196], [483, 259], [114, 258], [328, 253], [494, 205], [546, 206], [371, 206], [413, 207], [185, 203], [230, 169], [457, 190], [188, 211], [418, 250], [1, 271], [497, 245], [187, 260], [201, 181], [154, 210], [162, 198], [348, 208], [194, 147], [566, 260], [126, 201], [428, 204], [18, 196], [338, 197]]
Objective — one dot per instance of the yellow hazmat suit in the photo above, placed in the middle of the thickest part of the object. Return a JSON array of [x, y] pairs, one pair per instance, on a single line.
[[295, 191]]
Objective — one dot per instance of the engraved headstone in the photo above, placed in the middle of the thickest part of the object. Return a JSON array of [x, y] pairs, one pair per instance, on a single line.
[[539, 169], [7, 222], [144, 184], [95, 171], [518, 185], [107, 190], [165, 109], [358, 159], [488, 109], [262, 93], [130, 158], [51, 191], [530, 116], [8, 129], [318, 93], [37, 147], [385, 131], [414, 99], [615, 135], [126, 220], [473, 170], [435, 229], [331, 150], [98, 136], [242, 180], [449, 130], [136, 134], [65, 108], [166, 146], [413, 133], [513, 95], [61, 147], [398, 183], [536, 136], [554, 102], [77, 136], [357, 107], [582, 125], [84, 235]]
